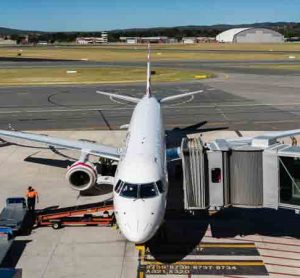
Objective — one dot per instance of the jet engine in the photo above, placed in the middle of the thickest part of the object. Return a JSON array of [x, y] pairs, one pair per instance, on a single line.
[[82, 175]]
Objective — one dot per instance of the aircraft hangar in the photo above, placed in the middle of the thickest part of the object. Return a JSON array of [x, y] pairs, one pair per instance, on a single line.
[[250, 35]]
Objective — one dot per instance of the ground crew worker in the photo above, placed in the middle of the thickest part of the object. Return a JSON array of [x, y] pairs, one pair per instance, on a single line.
[[32, 197]]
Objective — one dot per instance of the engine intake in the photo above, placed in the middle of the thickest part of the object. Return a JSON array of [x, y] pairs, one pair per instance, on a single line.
[[82, 176]]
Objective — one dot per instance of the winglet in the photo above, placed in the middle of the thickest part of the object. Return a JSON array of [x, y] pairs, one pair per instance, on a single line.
[[148, 89]]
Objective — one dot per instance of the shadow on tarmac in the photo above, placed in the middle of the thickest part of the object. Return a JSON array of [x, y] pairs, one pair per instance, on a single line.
[[175, 135], [49, 162], [183, 231], [233, 222], [178, 237], [14, 254], [18, 246], [98, 190], [27, 224]]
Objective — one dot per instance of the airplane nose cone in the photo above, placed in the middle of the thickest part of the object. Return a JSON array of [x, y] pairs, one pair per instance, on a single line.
[[137, 239], [139, 220], [138, 232]]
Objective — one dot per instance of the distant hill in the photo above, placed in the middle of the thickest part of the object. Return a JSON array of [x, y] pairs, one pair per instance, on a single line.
[[8, 31], [288, 29], [216, 26]]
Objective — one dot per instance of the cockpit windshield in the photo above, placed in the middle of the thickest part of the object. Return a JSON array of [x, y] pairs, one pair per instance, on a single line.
[[129, 190], [148, 190], [160, 186], [139, 191]]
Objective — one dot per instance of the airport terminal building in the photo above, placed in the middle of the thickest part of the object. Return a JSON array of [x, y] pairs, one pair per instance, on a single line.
[[250, 35]]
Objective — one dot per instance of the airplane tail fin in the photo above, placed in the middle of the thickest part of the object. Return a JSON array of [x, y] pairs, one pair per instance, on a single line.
[[148, 88], [129, 98]]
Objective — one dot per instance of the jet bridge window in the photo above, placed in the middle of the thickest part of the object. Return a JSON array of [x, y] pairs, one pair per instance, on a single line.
[[216, 176], [148, 190], [129, 190]]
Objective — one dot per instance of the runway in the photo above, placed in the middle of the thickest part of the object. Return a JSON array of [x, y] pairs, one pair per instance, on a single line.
[[236, 101], [240, 98], [227, 66]]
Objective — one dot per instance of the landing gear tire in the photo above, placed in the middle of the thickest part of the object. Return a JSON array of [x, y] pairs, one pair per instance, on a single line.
[[56, 225]]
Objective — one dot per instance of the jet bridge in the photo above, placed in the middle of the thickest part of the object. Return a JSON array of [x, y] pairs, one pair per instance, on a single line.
[[261, 173]]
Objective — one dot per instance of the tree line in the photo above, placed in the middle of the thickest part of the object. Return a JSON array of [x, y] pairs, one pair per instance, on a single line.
[[289, 30]]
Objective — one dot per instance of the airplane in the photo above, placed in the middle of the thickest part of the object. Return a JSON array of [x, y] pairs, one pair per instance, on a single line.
[[140, 184]]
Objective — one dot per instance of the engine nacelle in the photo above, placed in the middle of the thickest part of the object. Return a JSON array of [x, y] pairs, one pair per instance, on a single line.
[[82, 175]]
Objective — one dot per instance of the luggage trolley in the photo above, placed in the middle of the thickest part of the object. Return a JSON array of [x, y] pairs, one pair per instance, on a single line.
[[81, 215]]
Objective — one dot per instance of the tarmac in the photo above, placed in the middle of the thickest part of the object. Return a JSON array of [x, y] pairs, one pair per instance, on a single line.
[[236, 100], [231, 243], [227, 66], [239, 98]]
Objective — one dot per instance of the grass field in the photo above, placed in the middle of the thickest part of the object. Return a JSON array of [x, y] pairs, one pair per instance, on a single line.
[[159, 52], [217, 46], [287, 67], [132, 53], [42, 76]]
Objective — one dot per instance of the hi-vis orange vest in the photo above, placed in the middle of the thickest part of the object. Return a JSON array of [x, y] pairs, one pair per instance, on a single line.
[[31, 194]]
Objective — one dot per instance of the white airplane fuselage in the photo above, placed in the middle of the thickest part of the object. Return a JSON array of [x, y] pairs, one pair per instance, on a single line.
[[141, 178]]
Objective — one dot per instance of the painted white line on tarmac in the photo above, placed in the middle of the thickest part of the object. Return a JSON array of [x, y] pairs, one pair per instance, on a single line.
[[130, 108]]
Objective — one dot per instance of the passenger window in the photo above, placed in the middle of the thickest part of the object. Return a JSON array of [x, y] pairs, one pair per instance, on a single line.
[[148, 190], [129, 190], [160, 186], [216, 176]]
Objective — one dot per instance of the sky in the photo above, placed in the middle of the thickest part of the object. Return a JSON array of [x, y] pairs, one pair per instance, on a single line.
[[99, 15]]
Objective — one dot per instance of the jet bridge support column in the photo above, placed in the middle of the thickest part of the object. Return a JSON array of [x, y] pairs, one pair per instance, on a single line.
[[194, 166]]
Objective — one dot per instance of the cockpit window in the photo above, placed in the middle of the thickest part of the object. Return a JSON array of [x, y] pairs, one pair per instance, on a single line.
[[129, 190], [147, 190], [160, 186], [118, 186], [139, 191]]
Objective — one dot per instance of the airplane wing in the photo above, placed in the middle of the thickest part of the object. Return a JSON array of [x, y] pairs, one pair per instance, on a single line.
[[87, 147]]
